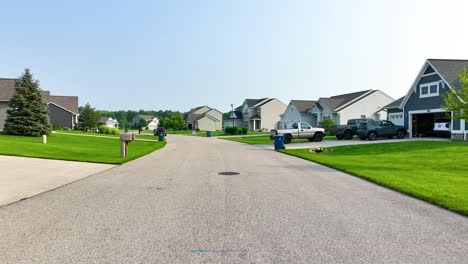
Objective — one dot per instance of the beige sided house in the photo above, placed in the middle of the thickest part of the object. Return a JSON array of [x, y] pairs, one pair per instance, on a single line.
[[204, 118], [257, 114]]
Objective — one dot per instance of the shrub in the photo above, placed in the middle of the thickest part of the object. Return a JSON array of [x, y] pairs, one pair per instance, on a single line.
[[198, 130], [326, 123], [245, 131], [103, 129], [56, 127], [232, 130], [114, 131]]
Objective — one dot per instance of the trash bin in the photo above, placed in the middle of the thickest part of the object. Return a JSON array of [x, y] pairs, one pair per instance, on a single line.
[[279, 142], [161, 137], [208, 133]]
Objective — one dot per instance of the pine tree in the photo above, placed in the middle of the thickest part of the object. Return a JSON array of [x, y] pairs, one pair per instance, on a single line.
[[89, 118], [28, 114]]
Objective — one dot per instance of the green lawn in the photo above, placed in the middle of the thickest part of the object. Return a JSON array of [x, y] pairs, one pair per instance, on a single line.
[[267, 140], [89, 133], [77, 148], [436, 172]]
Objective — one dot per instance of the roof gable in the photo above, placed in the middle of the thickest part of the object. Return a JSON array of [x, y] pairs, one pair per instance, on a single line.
[[448, 71], [303, 105]]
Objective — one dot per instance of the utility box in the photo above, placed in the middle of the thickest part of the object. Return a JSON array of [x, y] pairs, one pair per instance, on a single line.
[[125, 138]]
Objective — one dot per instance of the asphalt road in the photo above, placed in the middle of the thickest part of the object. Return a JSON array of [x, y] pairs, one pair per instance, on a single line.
[[173, 207]]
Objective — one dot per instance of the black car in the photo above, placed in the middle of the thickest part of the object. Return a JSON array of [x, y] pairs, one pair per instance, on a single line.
[[160, 130]]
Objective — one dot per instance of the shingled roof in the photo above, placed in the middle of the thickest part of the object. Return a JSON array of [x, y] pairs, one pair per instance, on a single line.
[[251, 102], [7, 91], [337, 101], [449, 69], [395, 104], [303, 105]]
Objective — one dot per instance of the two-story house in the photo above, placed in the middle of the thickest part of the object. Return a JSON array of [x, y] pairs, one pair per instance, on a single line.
[[258, 114], [204, 118]]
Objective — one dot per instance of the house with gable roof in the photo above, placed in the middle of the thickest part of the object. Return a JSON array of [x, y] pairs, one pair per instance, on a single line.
[[63, 110], [258, 114]]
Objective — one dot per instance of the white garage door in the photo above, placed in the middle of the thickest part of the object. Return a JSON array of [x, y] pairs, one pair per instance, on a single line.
[[396, 118]]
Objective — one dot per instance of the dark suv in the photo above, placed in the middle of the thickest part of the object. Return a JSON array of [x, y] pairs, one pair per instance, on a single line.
[[374, 129], [160, 130]]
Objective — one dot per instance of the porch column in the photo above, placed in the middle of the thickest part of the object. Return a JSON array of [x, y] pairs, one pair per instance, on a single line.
[[254, 124]]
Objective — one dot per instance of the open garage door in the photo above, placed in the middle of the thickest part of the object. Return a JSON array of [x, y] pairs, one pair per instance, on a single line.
[[431, 124]]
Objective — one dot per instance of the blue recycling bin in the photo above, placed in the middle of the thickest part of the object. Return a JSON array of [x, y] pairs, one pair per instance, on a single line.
[[208, 133], [279, 142]]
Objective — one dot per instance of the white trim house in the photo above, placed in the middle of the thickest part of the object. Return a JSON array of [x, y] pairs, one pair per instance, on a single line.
[[423, 104]]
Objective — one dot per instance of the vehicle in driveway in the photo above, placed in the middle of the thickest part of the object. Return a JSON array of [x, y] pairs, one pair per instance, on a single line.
[[349, 130], [377, 129], [300, 130]]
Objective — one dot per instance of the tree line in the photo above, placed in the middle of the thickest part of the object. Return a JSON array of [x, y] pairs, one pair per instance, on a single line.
[[89, 118]]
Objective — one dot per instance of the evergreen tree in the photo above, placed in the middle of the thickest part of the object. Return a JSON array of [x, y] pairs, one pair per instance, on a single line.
[[28, 114], [89, 118]]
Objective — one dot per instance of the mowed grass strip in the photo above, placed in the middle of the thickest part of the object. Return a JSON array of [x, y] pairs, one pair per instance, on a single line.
[[436, 172], [264, 140], [75, 148]]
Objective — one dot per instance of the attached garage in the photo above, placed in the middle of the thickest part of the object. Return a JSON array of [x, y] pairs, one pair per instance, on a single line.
[[424, 124]]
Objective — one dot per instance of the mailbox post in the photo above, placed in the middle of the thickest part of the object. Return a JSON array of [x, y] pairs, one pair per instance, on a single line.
[[125, 138]]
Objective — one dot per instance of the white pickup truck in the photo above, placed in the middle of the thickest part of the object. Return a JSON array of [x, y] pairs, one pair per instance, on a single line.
[[300, 130]]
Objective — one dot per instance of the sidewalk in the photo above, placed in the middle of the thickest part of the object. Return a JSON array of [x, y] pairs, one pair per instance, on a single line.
[[21, 178]]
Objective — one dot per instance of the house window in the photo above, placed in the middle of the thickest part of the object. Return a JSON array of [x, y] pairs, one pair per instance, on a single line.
[[429, 90]]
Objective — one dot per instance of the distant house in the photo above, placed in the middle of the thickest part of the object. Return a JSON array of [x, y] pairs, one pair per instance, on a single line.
[[204, 118], [153, 122], [109, 122], [257, 114], [341, 108], [63, 110], [298, 111]]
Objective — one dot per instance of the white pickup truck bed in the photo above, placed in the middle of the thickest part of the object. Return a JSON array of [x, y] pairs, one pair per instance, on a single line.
[[300, 130]]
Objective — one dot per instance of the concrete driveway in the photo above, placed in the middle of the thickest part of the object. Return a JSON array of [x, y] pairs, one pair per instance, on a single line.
[[335, 142], [22, 178], [172, 206]]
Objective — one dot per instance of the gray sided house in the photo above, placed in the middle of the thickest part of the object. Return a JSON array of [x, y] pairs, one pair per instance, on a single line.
[[423, 104], [298, 111], [63, 110], [341, 108]]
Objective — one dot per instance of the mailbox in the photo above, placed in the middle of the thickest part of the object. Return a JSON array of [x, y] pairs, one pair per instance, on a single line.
[[125, 138]]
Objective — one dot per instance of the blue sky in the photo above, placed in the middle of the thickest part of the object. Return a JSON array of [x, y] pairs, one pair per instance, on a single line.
[[181, 54]]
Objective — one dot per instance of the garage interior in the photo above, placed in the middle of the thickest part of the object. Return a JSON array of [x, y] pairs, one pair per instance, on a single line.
[[423, 124]]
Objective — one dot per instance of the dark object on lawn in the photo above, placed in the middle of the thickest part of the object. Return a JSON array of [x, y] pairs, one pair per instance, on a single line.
[[208, 133], [162, 137], [318, 150]]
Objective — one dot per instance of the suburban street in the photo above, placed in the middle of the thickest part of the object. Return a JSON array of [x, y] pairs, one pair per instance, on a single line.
[[172, 206]]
